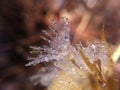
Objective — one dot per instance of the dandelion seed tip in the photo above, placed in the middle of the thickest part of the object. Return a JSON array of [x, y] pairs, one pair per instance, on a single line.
[[65, 18], [28, 64], [53, 21]]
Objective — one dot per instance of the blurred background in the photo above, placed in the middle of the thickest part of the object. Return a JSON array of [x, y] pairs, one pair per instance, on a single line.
[[21, 23]]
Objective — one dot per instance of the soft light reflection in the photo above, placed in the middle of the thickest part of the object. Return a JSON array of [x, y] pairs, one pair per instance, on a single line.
[[116, 54], [91, 3]]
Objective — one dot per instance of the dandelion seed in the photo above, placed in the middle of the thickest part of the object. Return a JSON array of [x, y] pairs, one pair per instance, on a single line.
[[76, 60]]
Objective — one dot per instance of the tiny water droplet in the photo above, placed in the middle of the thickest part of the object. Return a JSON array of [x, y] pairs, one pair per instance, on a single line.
[[53, 21], [66, 21]]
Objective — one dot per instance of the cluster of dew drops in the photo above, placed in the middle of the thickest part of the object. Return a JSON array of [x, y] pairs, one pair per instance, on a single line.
[[61, 51]]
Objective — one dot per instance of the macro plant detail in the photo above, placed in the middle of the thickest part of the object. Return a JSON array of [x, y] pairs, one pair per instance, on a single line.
[[73, 67]]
